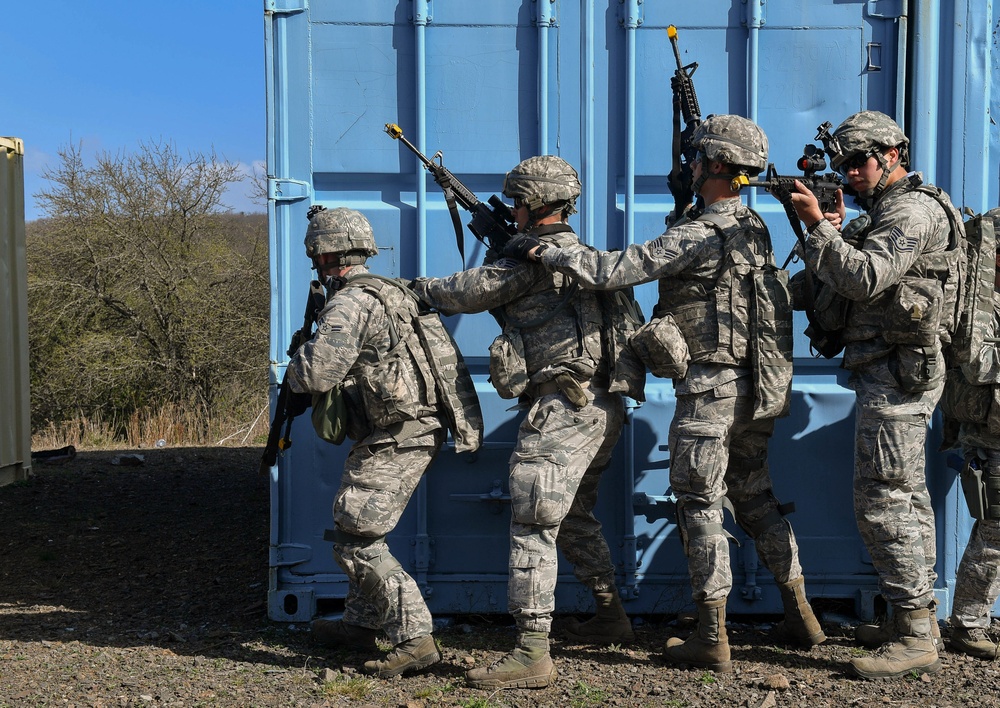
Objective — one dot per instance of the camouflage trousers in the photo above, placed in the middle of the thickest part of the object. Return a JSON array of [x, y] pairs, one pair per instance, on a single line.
[[891, 502], [718, 451], [557, 464], [977, 584], [376, 485]]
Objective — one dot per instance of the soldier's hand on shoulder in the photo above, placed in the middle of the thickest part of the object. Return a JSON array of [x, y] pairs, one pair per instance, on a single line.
[[524, 248]]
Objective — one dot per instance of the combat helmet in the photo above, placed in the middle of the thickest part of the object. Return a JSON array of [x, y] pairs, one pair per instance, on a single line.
[[341, 230], [733, 140], [546, 179], [866, 132]]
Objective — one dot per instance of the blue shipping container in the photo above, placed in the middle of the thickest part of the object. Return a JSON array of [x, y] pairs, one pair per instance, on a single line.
[[489, 84]]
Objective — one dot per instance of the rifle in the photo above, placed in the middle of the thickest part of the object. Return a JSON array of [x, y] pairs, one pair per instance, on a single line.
[[493, 225], [276, 441], [685, 102]]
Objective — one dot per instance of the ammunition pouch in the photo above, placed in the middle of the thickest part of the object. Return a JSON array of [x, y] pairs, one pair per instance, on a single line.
[[914, 312], [918, 368], [508, 367]]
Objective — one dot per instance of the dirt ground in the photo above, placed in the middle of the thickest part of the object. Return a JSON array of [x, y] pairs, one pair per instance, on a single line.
[[146, 586]]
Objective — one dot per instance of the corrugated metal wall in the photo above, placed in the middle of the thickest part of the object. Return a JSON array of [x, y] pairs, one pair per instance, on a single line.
[[489, 84], [15, 405]]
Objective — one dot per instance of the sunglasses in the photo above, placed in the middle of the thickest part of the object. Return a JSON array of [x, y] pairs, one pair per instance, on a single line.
[[855, 162]]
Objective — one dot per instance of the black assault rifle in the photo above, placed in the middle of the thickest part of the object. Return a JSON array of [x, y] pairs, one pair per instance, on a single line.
[[493, 225], [685, 102], [283, 417]]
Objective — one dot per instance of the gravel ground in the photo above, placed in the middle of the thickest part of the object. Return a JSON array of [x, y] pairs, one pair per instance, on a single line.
[[146, 586]]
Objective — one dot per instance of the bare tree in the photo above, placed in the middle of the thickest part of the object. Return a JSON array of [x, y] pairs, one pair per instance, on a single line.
[[143, 290]]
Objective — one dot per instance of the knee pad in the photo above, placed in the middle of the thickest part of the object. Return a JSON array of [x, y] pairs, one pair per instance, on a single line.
[[688, 533], [767, 510]]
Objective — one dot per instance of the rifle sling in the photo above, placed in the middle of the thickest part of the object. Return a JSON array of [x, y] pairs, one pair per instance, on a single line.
[[449, 198]]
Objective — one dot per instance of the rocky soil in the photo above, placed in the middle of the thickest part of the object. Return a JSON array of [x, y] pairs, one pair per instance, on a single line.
[[146, 586]]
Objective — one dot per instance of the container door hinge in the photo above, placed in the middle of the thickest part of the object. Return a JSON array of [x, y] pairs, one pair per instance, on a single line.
[[630, 13], [286, 554], [422, 12], [286, 190], [755, 16], [285, 7], [546, 14], [886, 9]]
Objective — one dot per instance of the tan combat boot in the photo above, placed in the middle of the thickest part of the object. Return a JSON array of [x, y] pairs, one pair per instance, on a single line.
[[405, 658], [337, 634], [610, 625], [528, 666], [875, 635], [708, 646], [800, 625], [974, 642], [912, 649]]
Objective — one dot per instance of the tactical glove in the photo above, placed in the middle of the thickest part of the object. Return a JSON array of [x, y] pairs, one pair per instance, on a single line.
[[520, 247]]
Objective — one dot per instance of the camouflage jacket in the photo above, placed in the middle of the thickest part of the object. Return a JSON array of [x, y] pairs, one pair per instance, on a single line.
[[351, 344], [521, 293], [908, 236], [687, 259]]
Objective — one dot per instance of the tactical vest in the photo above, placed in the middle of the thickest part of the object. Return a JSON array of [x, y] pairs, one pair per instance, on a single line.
[[980, 283], [423, 371], [602, 325], [743, 319], [867, 318]]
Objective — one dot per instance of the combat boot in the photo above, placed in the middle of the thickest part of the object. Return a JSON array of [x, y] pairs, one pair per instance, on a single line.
[[974, 642], [912, 649], [875, 635], [610, 625], [708, 646], [405, 658], [337, 634], [528, 666], [800, 625]]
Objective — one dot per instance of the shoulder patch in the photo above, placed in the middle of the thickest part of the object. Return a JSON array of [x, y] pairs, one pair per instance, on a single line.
[[506, 263], [900, 241], [327, 328], [664, 253]]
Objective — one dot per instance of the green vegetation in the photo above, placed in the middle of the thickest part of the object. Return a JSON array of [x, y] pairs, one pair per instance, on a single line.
[[148, 303]]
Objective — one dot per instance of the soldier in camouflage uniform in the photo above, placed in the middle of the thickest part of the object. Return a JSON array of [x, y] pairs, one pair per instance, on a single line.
[[392, 450], [977, 584], [718, 451], [567, 437], [911, 238]]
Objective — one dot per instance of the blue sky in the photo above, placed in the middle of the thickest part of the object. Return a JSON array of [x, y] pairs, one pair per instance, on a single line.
[[107, 74]]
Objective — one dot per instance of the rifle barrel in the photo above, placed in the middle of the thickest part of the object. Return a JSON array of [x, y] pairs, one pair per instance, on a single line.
[[396, 133]]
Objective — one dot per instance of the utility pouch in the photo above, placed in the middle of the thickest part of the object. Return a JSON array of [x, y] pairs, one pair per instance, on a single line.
[[390, 391], [508, 368], [661, 346], [914, 313], [918, 368], [964, 402], [974, 490], [329, 415], [771, 342], [572, 390]]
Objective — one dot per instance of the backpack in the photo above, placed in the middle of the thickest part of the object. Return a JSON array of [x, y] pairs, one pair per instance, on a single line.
[[455, 389], [980, 275], [770, 321]]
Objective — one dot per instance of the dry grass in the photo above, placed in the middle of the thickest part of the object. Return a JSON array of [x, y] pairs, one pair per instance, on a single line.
[[175, 425]]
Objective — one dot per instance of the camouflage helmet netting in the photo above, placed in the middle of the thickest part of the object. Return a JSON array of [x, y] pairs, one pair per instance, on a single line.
[[864, 131], [339, 230], [545, 179], [733, 140]]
